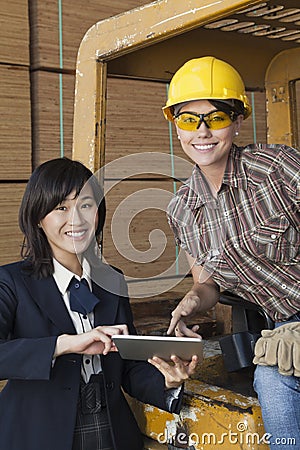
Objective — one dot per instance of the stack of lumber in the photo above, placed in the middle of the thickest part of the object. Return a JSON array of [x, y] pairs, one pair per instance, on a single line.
[[15, 124], [73, 20], [14, 32], [46, 110], [10, 236], [57, 29]]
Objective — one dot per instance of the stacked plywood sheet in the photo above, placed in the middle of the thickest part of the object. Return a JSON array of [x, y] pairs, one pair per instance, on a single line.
[[71, 21], [14, 32], [254, 129], [50, 129], [11, 238], [15, 124], [135, 122], [137, 234], [57, 29]]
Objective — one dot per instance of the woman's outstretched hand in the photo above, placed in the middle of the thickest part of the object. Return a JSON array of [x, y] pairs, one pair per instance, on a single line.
[[94, 342], [175, 372], [188, 306]]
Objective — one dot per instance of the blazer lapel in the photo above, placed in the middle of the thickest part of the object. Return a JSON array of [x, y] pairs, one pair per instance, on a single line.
[[49, 299], [106, 286], [106, 310]]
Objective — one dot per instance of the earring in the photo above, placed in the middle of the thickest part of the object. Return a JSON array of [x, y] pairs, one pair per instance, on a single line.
[[98, 246], [39, 225], [236, 133], [178, 137]]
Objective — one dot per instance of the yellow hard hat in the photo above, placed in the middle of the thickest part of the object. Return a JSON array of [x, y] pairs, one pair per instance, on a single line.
[[206, 78]]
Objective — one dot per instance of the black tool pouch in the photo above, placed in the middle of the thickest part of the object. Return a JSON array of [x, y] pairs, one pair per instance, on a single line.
[[248, 319], [238, 350]]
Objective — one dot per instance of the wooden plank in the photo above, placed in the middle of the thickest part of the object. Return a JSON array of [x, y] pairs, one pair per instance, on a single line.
[[46, 108], [11, 238], [14, 32], [145, 132], [254, 129], [15, 124], [134, 111], [137, 237], [77, 17]]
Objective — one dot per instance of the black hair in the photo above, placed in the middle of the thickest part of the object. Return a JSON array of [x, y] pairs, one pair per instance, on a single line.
[[48, 186], [228, 106]]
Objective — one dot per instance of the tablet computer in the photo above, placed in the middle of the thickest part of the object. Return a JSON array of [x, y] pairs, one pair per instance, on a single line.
[[145, 347]]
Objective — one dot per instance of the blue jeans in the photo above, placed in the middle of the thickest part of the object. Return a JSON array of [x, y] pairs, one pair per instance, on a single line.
[[279, 398]]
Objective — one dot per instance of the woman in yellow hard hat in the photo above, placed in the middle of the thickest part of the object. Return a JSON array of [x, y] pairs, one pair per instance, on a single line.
[[237, 218]]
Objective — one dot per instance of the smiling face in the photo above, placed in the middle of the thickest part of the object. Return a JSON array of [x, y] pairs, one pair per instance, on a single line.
[[70, 227], [206, 147]]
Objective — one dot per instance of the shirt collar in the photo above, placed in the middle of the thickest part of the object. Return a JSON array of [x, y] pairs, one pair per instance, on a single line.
[[200, 193], [235, 173], [63, 276]]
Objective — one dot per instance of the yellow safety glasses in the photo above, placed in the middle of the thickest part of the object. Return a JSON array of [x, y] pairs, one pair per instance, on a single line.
[[215, 120]]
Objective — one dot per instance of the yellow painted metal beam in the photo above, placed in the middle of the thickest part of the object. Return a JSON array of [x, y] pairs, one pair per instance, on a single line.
[[281, 117], [211, 418], [117, 36]]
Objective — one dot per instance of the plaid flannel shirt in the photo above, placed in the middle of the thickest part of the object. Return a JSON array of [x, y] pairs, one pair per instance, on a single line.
[[248, 237]]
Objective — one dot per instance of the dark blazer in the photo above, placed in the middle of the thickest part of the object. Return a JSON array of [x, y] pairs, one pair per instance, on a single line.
[[38, 404]]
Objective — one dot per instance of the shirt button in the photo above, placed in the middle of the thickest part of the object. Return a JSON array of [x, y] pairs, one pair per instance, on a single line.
[[236, 245], [87, 361], [110, 385], [76, 285], [84, 317], [258, 268], [284, 286], [226, 213], [273, 236]]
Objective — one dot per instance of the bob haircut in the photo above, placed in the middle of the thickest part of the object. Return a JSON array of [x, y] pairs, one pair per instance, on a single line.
[[48, 186]]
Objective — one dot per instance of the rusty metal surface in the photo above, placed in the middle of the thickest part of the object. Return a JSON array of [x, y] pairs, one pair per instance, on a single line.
[[281, 102], [211, 418]]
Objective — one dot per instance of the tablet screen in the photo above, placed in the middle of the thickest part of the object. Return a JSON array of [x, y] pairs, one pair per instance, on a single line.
[[145, 347]]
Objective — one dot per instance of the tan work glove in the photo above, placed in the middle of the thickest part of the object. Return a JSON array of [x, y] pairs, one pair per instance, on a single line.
[[280, 347]]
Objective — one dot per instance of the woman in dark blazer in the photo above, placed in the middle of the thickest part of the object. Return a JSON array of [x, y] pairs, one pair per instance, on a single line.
[[65, 378]]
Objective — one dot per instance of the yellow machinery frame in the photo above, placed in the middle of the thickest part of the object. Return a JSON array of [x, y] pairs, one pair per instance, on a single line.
[[281, 74]]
